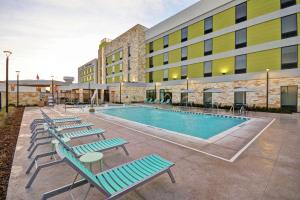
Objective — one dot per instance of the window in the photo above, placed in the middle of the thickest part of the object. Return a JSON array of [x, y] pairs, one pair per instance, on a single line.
[[289, 26], [150, 94], [207, 99], [166, 58], [129, 51], [208, 25], [184, 53], [150, 62], [150, 47], [184, 34], [166, 75], [208, 47], [241, 38], [113, 58], [289, 97], [207, 69], [240, 98], [166, 41], [129, 67], [289, 57], [121, 67], [106, 61], [241, 12], [287, 3], [121, 55], [240, 64], [150, 77], [184, 72], [113, 70]]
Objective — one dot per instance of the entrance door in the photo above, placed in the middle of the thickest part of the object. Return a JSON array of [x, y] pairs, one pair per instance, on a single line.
[[106, 95], [289, 97]]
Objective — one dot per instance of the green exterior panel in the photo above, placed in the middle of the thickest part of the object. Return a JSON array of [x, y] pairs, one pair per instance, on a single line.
[[260, 61], [158, 76], [196, 30], [109, 70], [147, 77], [158, 60], [257, 8], [117, 68], [224, 65], [158, 44], [195, 50], [265, 32], [175, 56], [175, 38], [147, 63], [109, 59], [195, 70], [224, 19], [175, 73], [224, 43]]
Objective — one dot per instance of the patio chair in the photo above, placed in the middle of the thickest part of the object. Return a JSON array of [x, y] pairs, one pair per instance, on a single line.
[[99, 146], [162, 101], [115, 182], [150, 101], [167, 101], [34, 137], [71, 135], [156, 101]]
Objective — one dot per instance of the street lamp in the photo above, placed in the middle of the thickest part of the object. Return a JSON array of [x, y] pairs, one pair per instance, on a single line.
[[18, 73], [52, 83], [121, 83], [7, 53], [267, 89]]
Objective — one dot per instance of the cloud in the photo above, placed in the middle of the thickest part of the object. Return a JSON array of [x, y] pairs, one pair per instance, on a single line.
[[54, 37]]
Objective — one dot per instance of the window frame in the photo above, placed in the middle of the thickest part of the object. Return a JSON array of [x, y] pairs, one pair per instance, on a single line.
[[151, 47], [244, 18], [207, 74], [291, 65], [150, 77], [165, 71], [184, 29], [184, 58], [287, 4], [151, 62], [292, 33], [186, 73], [207, 31], [164, 39], [240, 45], [165, 55], [206, 53], [243, 70]]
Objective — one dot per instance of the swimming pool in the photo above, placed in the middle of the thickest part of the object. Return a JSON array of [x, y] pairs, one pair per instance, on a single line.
[[202, 126]]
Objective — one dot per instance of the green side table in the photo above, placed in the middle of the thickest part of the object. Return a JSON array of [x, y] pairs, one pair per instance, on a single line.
[[91, 158], [55, 142]]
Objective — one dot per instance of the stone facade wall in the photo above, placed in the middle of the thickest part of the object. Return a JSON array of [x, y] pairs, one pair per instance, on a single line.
[[257, 98], [129, 94], [25, 98], [135, 38]]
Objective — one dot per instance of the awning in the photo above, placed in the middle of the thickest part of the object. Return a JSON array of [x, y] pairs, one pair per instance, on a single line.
[[187, 91], [213, 90], [243, 89], [85, 86]]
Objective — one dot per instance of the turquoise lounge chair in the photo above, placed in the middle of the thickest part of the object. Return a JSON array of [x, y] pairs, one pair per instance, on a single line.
[[167, 101], [150, 101], [156, 101], [115, 182], [71, 135], [99, 146], [162, 101]]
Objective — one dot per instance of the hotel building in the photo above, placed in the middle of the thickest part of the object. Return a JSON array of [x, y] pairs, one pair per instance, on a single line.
[[226, 45], [87, 73]]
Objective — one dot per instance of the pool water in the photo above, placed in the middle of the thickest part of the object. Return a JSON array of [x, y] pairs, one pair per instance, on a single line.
[[202, 126]]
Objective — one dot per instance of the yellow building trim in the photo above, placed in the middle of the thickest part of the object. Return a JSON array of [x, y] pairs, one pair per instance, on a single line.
[[260, 61], [158, 60], [224, 43], [195, 70], [224, 19], [224, 66], [196, 30], [175, 56], [257, 8], [158, 44], [175, 38], [175, 73], [195, 50], [265, 32]]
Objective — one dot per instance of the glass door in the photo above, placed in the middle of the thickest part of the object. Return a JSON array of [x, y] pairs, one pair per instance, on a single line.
[[289, 97]]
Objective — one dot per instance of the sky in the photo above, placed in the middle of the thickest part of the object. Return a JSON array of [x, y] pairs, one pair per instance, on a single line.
[[55, 37]]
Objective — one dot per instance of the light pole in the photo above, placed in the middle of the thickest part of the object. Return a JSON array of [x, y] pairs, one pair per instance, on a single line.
[[52, 84], [187, 90], [18, 73], [7, 53], [121, 92], [267, 89], [155, 91]]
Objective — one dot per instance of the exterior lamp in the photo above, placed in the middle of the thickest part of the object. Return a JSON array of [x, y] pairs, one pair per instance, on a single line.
[[7, 53], [267, 89]]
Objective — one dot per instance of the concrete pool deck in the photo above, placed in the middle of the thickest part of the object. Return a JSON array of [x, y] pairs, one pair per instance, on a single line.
[[267, 169]]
